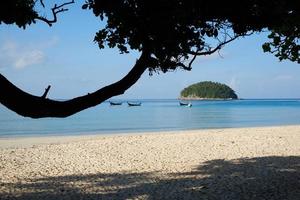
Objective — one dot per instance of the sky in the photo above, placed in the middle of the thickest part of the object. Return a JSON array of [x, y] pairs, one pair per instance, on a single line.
[[65, 57]]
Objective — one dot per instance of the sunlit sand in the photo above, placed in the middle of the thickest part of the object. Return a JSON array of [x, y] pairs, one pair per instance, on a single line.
[[238, 163]]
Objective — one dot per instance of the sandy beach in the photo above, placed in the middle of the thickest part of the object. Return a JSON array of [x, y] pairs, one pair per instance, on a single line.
[[238, 163]]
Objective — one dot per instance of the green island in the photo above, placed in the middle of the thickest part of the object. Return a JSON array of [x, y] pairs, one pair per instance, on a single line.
[[208, 90]]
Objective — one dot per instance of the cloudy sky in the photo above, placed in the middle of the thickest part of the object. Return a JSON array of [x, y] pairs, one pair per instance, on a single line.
[[66, 57]]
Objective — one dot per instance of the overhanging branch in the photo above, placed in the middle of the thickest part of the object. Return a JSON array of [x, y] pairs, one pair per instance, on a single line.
[[38, 107], [55, 10]]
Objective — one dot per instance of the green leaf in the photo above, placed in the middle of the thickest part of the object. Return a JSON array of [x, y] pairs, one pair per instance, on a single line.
[[276, 40], [266, 47], [84, 6]]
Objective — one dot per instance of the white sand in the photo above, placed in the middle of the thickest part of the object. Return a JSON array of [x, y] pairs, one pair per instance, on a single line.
[[240, 163]]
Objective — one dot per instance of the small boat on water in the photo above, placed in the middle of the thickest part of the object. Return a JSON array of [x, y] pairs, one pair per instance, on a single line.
[[183, 103], [115, 103], [186, 104], [134, 104]]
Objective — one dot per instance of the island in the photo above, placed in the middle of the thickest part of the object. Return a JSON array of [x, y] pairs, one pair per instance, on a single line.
[[208, 90]]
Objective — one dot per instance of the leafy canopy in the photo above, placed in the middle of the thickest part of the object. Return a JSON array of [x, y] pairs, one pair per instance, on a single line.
[[174, 31], [20, 12]]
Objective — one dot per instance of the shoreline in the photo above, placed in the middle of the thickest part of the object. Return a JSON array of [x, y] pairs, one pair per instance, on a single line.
[[206, 99], [32, 141]]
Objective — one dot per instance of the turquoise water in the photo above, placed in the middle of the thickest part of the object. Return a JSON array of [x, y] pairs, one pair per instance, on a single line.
[[156, 115]]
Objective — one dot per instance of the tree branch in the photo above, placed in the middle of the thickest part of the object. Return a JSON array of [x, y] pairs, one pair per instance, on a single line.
[[42, 3], [55, 10], [189, 66], [220, 45], [32, 106], [46, 91]]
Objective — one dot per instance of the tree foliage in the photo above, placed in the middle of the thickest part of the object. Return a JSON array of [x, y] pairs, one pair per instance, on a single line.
[[23, 12], [176, 30], [20, 12], [208, 90], [170, 34]]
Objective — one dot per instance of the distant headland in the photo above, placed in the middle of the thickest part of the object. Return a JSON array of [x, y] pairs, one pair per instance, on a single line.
[[208, 90]]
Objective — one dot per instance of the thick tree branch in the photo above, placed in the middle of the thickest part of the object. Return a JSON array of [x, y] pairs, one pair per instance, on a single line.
[[37, 107], [55, 10]]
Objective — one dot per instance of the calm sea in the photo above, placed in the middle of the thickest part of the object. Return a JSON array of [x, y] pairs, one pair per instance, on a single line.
[[156, 115]]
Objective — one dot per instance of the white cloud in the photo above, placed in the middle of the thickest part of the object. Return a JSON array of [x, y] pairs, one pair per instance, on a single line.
[[29, 58], [20, 56]]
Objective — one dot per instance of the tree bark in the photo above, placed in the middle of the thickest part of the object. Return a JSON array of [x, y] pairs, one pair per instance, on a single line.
[[32, 106]]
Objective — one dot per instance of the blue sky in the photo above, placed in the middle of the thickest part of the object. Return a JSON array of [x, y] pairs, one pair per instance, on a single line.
[[66, 57]]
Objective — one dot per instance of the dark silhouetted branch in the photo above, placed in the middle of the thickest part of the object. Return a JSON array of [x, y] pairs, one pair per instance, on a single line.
[[42, 3], [37, 107], [218, 47], [46, 91], [187, 67], [55, 10]]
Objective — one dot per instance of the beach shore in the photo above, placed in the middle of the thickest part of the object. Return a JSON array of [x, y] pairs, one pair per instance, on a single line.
[[236, 163]]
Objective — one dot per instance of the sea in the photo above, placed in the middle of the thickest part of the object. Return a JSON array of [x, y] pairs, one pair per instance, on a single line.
[[156, 115]]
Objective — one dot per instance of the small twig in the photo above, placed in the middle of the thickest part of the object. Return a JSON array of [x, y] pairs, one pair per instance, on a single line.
[[191, 62], [211, 51], [46, 92], [220, 54], [42, 3], [55, 10]]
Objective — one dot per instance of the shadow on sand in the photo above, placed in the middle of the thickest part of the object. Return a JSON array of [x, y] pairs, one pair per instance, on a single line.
[[245, 178]]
